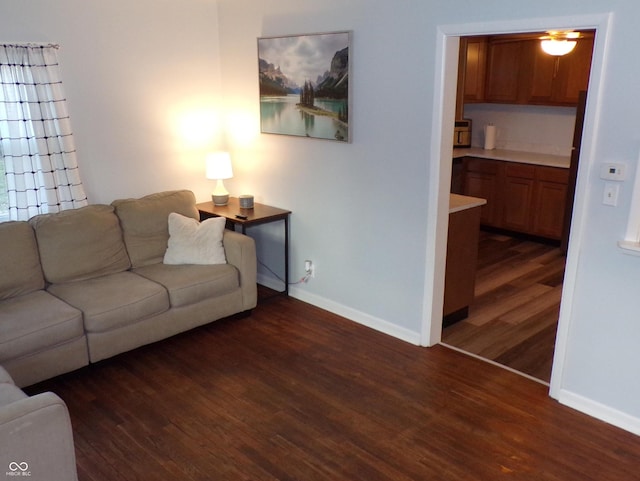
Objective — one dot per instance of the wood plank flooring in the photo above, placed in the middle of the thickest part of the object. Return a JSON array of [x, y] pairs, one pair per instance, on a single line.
[[514, 316], [295, 393]]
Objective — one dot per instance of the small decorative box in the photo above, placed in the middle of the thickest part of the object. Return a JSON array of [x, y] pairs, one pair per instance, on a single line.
[[246, 201]]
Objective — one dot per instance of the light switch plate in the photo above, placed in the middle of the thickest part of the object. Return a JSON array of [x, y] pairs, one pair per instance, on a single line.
[[611, 191]]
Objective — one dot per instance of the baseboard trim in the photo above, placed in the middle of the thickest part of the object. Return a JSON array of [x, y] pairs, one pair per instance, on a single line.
[[354, 315], [600, 411], [270, 282]]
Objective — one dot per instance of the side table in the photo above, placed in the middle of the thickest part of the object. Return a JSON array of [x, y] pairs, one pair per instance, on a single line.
[[259, 214]]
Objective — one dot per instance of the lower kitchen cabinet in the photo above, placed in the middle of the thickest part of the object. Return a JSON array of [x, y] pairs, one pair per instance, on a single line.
[[519, 187], [549, 201], [524, 198], [481, 179]]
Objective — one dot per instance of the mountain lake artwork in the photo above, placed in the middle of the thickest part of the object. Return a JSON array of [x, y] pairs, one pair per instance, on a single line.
[[304, 85]]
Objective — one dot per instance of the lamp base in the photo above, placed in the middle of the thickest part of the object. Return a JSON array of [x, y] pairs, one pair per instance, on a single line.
[[220, 199]]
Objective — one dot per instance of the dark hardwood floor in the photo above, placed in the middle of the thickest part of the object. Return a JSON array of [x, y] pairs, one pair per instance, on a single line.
[[514, 316], [295, 393]]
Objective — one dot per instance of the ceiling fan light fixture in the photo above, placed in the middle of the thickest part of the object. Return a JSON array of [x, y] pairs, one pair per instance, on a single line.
[[559, 43]]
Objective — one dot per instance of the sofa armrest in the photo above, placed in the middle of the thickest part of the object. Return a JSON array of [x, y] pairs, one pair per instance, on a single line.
[[4, 376], [36, 436], [241, 252]]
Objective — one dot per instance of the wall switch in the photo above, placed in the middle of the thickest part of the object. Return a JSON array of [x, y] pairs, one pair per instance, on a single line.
[[613, 171], [611, 194]]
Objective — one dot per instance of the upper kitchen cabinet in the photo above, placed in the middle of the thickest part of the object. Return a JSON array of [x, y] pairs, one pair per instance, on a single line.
[[513, 69], [504, 70], [475, 64], [472, 64], [559, 80]]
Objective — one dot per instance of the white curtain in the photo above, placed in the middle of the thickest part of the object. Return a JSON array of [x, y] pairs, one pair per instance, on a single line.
[[35, 134]]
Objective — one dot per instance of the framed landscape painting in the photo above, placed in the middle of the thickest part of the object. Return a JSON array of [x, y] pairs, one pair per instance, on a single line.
[[304, 85]]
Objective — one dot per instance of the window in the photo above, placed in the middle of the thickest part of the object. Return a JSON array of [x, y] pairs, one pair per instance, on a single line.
[[38, 167]]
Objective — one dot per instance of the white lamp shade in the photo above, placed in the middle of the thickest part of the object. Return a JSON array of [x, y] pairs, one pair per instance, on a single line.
[[219, 166]]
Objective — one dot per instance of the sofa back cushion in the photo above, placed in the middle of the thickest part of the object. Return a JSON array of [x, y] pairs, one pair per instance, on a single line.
[[79, 244], [19, 260], [145, 223]]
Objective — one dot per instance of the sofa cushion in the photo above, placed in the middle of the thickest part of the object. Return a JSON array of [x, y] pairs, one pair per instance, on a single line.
[[35, 322], [109, 302], [79, 244], [193, 242], [20, 261], [188, 284], [145, 223]]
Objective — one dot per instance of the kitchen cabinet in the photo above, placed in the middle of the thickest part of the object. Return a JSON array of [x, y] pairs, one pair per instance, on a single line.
[[549, 201], [457, 173], [559, 80], [472, 60], [523, 198], [503, 71], [517, 71], [482, 178], [474, 67], [519, 183]]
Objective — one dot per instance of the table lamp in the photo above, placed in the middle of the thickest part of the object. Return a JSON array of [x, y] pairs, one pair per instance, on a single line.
[[219, 168]]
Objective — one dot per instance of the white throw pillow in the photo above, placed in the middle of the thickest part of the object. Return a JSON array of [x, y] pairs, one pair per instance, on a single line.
[[193, 242]]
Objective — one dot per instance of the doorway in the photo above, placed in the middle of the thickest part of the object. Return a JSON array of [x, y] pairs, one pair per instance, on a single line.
[[447, 47], [525, 178]]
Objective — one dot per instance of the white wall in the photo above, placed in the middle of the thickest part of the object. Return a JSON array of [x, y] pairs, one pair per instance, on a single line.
[[360, 209], [135, 74], [133, 70]]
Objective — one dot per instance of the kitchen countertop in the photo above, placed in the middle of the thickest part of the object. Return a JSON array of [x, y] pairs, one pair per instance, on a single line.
[[548, 160], [459, 202]]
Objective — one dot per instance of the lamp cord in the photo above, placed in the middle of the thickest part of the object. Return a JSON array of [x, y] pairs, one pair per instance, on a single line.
[[302, 280]]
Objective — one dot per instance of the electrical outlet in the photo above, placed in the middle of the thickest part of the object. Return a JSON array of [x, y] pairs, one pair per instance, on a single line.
[[309, 269]]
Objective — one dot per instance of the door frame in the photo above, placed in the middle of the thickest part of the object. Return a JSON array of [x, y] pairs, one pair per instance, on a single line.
[[440, 160]]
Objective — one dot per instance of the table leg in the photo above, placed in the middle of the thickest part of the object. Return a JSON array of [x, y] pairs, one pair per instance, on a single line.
[[286, 256]]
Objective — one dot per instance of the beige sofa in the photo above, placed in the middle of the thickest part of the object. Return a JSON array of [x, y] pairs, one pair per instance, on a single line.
[[86, 284], [35, 435]]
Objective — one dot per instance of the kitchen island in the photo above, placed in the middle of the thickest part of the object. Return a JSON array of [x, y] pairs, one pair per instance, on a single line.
[[462, 256]]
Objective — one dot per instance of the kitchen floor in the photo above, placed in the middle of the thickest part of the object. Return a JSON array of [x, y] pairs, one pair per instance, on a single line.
[[514, 315]]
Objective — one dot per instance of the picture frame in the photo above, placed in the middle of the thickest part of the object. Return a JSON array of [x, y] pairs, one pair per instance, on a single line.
[[305, 87]]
